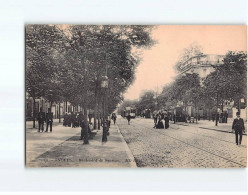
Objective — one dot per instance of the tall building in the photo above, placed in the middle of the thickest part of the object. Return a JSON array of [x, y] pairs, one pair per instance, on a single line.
[[202, 64]]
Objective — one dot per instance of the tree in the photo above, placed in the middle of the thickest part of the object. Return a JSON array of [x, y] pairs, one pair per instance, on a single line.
[[228, 81], [68, 63], [184, 83], [192, 50], [40, 64], [147, 101], [166, 98]]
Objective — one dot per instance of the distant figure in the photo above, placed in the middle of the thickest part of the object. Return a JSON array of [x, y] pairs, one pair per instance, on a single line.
[[213, 117], [73, 119], [166, 121], [69, 120], [221, 120], [128, 118], [49, 120], [217, 117], [41, 119], [114, 117], [174, 118], [155, 118], [65, 122], [239, 127]]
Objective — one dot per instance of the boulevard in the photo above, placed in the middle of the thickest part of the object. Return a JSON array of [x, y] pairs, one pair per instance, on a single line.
[[182, 146]]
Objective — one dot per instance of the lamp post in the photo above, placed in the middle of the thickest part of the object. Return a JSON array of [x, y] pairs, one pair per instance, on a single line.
[[104, 86]]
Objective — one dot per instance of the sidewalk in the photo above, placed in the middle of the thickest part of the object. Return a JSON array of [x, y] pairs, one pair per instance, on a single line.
[[210, 125], [38, 143], [69, 150]]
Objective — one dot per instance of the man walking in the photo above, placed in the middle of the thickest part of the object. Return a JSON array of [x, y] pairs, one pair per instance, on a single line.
[[239, 127], [128, 118], [49, 120], [166, 121], [114, 117], [41, 119], [73, 119]]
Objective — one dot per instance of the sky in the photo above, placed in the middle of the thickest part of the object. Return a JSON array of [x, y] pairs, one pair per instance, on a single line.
[[156, 68]]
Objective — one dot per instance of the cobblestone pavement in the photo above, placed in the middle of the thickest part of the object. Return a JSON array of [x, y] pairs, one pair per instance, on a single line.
[[182, 146]]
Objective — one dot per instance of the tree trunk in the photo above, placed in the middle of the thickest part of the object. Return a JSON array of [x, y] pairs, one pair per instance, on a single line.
[[217, 105], [98, 121], [209, 114], [59, 114], [239, 106], [86, 138], [66, 110], [196, 121], [98, 116], [95, 111], [34, 112], [104, 135]]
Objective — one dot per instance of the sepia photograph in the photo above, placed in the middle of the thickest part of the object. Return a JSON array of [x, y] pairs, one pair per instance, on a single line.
[[135, 96]]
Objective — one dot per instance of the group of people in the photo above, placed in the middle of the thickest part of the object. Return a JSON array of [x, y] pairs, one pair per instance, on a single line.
[[43, 117], [73, 119], [220, 117], [158, 120]]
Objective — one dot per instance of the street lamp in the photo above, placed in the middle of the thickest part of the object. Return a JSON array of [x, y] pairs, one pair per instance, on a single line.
[[104, 85]]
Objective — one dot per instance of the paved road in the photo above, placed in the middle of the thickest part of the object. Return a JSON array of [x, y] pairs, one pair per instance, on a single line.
[[181, 146]]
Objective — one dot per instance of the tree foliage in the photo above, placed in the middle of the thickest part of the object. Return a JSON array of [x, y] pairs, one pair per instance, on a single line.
[[68, 63]]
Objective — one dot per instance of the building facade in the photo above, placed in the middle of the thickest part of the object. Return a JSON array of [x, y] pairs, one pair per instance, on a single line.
[[58, 109], [203, 65]]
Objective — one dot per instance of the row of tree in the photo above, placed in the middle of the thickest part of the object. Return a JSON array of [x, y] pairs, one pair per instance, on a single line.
[[228, 82], [67, 63]]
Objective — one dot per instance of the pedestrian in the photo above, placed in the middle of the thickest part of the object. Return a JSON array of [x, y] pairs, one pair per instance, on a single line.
[[49, 120], [221, 117], [73, 119], [174, 118], [65, 122], [213, 117], [160, 124], [155, 119], [166, 121], [239, 128], [69, 120], [217, 117], [41, 119], [114, 117], [128, 118]]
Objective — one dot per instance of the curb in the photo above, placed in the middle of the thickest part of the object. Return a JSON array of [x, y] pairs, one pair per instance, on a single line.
[[223, 131], [220, 130], [129, 153]]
